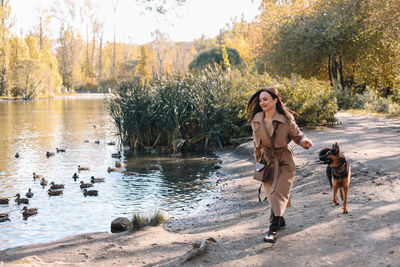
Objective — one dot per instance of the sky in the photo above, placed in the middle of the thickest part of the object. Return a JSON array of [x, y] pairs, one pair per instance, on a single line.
[[134, 24]]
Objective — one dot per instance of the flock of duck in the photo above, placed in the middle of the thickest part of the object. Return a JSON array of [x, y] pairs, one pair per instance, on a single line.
[[57, 189]]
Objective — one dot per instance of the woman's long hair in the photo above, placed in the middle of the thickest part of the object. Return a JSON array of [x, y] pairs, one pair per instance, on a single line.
[[253, 106]]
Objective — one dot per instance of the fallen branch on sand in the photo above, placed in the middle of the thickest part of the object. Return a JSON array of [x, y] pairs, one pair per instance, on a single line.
[[199, 248]]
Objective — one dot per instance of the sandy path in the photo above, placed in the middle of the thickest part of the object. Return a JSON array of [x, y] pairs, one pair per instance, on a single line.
[[318, 234]]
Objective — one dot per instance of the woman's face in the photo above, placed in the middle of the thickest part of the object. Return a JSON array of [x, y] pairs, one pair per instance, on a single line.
[[267, 103]]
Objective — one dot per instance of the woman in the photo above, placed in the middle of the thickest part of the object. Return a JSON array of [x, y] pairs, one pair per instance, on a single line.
[[270, 119]]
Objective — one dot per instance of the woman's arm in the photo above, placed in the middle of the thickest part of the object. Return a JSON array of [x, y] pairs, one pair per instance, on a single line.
[[298, 136], [256, 142], [257, 151]]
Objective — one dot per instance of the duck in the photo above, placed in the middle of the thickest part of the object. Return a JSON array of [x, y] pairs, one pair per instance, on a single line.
[[28, 212], [112, 143], [83, 168], [96, 180], [54, 192], [112, 169], [4, 201], [83, 185], [43, 182], [4, 217], [56, 186], [17, 155], [90, 192], [20, 200], [119, 164], [29, 194], [75, 176], [50, 154], [86, 141], [97, 142], [154, 167], [37, 176], [60, 150], [116, 155]]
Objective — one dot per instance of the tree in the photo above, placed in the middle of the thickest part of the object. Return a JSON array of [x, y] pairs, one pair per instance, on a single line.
[[161, 45], [68, 56], [33, 45], [161, 6], [239, 36], [41, 28], [202, 44], [70, 44], [18, 51], [214, 56], [30, 78], [48, 61], [32, 70], [6, 22], [182, 53], [100, 33], [274, 14], [115, 7], [334, 41], [143, 68]]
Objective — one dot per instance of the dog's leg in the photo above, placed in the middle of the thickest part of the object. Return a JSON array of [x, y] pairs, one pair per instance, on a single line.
[[334, 191], [346, 193], [341, 193]]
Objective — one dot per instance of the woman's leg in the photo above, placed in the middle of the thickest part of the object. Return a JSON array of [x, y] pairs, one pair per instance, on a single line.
[[282, 222], [273, 229]]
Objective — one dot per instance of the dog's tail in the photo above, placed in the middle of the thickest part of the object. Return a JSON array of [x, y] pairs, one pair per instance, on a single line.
[[329, 174], [341, 193]]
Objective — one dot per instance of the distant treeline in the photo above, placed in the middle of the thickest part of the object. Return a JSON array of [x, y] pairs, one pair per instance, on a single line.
[[353, 44]]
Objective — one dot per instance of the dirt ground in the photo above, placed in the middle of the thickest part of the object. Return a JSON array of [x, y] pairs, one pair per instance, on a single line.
[[317, 232]]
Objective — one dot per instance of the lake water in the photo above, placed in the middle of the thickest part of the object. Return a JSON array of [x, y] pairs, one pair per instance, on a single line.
[[32, 128]]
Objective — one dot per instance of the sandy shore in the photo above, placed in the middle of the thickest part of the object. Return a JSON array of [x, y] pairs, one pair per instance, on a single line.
[[317, 233]]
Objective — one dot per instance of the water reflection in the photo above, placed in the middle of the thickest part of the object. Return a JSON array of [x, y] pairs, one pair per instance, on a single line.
[[180, 186]]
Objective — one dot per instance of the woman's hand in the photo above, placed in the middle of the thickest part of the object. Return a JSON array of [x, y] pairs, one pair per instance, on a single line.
[[307, 144]]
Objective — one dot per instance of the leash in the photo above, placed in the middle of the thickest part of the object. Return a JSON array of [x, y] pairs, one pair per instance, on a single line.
[[259, 193]]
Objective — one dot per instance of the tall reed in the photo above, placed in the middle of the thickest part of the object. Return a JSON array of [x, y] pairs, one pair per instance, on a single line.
[[205, 109]]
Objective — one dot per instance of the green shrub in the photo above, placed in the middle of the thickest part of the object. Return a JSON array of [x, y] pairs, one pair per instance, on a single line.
[[215, 56], [369, 101], [377, 104], [348, 100], [313, 100]]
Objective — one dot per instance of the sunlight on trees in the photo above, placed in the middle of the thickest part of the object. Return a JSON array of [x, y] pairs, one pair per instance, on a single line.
[[353, 44]]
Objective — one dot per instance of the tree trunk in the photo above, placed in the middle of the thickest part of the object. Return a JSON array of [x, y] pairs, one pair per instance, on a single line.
[[87, 50], [92, 67], [330, 71], [341, 72], [41, 33], [3, 63], [100, 56]]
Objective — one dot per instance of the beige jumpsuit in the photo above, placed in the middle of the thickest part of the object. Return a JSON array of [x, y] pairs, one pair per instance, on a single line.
[[277, 189]]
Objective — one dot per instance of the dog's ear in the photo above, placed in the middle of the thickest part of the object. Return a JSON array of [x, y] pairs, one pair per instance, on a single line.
[[336, 147]]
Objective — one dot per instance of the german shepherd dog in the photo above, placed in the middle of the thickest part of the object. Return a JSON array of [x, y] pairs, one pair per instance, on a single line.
[[338, 172]]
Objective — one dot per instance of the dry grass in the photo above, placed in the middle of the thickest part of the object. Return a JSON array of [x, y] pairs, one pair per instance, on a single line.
[[140, 221]]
